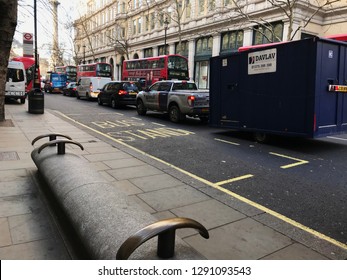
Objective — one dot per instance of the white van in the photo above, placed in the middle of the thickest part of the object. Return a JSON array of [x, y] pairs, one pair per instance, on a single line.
[[15, 81], [89, 87]]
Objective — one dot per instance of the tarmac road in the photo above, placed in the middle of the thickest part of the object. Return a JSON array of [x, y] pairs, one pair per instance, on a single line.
[[302, 180]]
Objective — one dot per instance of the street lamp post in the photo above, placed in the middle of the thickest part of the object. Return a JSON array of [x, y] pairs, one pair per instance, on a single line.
[[84, 54], [166, 23], [36, 74]]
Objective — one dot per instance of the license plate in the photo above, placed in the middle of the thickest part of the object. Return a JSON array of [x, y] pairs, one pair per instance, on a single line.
[[14, 93]]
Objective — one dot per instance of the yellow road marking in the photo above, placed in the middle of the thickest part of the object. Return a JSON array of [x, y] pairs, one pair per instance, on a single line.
[[299, 161], [159, 124], [224, 141], [234, 179], [213, 185]]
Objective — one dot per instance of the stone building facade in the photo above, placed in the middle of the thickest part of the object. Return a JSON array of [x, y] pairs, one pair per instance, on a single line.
[[114, 30]]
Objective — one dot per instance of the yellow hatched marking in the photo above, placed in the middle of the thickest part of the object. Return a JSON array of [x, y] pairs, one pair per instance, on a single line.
[[234, 179], [228, 142], [299, 161]]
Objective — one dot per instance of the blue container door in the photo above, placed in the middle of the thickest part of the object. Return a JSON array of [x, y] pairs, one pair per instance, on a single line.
[[231, 101], [331, 115]]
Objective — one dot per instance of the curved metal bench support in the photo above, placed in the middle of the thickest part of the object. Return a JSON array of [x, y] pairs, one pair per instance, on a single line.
[[52, 136], [166, 230], [60, 144]]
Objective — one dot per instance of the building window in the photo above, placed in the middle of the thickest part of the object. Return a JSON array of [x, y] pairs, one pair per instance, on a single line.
[[152, 21], [201, 7], [147, 23], [204, 46], [211, 5], [231, 41], [148, 52], [139, 25], [183, 49], [188, 8], [268, 34], [202, 74], [134, 27]]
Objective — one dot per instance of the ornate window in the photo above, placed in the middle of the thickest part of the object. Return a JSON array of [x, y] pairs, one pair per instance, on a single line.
[[264, 34], [231, 41]]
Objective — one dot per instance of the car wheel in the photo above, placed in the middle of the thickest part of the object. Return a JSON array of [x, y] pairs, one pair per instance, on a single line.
[[140, 107], [78, 96], [113, 103], [261, 137], [22, 101], [175, 114], [99, 101]]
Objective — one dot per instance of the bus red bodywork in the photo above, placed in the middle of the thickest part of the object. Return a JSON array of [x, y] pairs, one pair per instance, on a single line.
[[152, 69], [69, 70], [29, 65], [97, 69]]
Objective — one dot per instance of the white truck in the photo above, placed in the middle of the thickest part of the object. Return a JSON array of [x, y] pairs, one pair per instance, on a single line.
[[178, 98]]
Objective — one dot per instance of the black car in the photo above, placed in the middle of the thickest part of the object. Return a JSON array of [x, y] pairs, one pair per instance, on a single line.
[[70, 89], [119, 93]]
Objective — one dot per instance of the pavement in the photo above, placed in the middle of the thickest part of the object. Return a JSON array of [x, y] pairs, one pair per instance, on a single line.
[[30, 230]]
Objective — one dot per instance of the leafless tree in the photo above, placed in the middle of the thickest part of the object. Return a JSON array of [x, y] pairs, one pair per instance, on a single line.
[[8, 23], [288, 8], [120, 39], [85, 35]]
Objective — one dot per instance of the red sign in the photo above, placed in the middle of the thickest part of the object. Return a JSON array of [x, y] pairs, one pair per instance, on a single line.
[[28, 45], [28, 36]]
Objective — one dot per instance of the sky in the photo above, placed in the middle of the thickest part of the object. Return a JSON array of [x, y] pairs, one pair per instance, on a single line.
[[25, 24]]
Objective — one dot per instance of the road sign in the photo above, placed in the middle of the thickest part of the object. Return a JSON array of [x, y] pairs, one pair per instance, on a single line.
[[28, 36], [28, 45]]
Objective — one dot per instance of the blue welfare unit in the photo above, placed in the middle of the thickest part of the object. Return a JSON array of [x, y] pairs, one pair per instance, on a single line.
[[296, 88]]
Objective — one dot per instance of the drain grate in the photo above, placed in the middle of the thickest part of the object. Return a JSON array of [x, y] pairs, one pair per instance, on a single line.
[[5, 156]]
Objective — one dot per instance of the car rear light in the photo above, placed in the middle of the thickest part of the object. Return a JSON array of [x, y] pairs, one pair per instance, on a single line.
[[191, 99], [122, 92], [51, 84]]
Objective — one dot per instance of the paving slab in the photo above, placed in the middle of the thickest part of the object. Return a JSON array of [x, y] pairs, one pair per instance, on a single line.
[[156, 182], [295, 252], [134, 172], [175, 197], [242, 240]]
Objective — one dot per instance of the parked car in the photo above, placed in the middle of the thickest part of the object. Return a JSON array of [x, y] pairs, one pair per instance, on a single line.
[[70, 89], [176, 97], [119, 93], [89, 87]]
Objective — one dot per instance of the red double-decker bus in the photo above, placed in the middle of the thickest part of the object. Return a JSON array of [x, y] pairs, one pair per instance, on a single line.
[[152, 69], [69, 70], [29, 65], [97, 69], [338, 37]]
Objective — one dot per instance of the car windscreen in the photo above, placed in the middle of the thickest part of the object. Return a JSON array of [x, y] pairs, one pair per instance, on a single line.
[[184, 86], [15, 75], [130, 87]]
